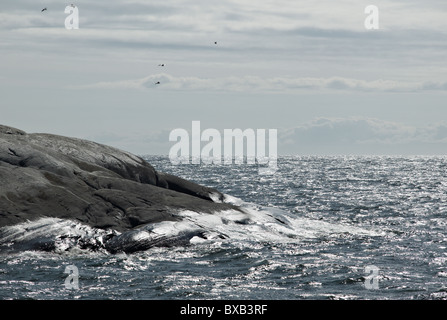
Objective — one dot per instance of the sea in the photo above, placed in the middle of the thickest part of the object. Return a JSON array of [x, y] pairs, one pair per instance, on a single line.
[[319, 228]]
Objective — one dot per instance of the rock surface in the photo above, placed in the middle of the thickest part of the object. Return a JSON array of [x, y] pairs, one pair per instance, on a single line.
[[45, 175]]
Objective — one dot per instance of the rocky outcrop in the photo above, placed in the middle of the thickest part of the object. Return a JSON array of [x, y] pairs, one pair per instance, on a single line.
[[45, 175]]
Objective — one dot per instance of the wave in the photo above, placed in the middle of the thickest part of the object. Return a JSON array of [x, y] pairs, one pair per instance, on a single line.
[[252, 223], [53, 234]]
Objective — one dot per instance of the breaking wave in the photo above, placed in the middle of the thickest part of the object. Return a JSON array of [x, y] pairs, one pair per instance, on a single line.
[[253, 223]]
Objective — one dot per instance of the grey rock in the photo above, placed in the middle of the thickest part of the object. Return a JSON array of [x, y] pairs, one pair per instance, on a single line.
[[45, 175]]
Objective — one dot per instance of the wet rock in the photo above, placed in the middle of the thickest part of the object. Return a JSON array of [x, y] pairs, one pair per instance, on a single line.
[[45, 175]]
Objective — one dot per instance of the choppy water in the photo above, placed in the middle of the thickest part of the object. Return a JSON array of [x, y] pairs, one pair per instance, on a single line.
[[343, 214]]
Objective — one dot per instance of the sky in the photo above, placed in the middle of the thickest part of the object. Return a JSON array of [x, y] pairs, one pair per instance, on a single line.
[[309, 69]]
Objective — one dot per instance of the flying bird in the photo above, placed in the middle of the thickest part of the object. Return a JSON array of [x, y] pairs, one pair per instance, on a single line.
[[44, 9], [215, 42], [158, 82], [161, 65]]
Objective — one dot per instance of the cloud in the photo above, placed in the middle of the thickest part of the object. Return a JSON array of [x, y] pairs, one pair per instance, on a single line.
[[268, 85], [279, 47], [363, 135], [321, 136], [274, 38]]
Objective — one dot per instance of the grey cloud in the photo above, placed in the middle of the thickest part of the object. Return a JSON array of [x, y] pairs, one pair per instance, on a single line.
[[272, 85], [322, 136], [283, 34], [351, 135]]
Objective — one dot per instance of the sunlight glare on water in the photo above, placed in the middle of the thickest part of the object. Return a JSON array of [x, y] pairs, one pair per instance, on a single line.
[[314, 228]]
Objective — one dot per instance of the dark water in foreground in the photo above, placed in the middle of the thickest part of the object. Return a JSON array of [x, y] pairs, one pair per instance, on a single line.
[[348, 213]]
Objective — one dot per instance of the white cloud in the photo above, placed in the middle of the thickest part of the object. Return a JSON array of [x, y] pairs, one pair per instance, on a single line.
[[322, 136], [277, 47], [269, 85], [281, 37], [370, 135]]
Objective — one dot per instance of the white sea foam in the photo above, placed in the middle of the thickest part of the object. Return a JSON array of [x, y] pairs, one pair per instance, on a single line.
[[43, 227], [253, 223], [215, 197], [62, 234], [259, 224]]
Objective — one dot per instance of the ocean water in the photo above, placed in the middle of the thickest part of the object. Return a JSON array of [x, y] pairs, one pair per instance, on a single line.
[[319, 228]]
